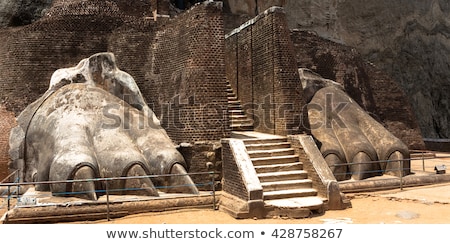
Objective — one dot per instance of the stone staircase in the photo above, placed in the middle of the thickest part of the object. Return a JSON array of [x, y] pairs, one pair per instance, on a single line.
[[287, 191], [238, 119]]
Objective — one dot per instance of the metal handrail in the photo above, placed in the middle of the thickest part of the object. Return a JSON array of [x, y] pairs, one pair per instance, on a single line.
[[101, 179]]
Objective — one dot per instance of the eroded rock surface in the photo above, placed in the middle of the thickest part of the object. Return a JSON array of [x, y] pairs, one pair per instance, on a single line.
[[22, 12]]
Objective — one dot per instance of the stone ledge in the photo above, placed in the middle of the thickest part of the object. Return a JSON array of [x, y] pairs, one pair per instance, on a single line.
[[54, 211], [384, 183]]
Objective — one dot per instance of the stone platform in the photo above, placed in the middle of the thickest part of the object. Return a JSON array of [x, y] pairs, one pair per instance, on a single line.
[[42, 207]]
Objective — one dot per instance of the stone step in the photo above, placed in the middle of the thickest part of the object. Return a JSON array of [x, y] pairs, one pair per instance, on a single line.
[[267, 146], [239, 118], [283, 194], [241, 123], [234, 106], [311, 202], [278, 167], [251, 141], [285, 175], [275, 160], [270, 152], [286, 185], [242, 127], [234, 102], [236, 112]]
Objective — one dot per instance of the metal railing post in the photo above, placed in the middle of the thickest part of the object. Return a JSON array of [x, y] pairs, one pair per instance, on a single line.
[[401, 175], [107, 200], [9, 197], [18, 186], [423, 162], [214, 191]]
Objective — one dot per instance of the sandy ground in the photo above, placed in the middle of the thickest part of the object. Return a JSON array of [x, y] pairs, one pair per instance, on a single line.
[[410, 206], [417, 205]]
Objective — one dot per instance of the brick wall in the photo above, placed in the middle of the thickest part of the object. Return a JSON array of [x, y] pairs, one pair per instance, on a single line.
[[264, 74], [187, 80], [375, 91], [232, 181], [231, 63], [288, 94], [138, 8], [7, 122], [197, 155], [32, 53]]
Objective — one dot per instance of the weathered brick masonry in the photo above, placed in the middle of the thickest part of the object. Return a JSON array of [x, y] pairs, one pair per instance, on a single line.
[[186, 83], [7, 122], [232, 182], [187, 75], [261, 69]]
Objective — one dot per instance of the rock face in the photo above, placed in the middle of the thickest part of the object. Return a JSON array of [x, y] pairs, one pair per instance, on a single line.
[[21, 12], [407, 39]]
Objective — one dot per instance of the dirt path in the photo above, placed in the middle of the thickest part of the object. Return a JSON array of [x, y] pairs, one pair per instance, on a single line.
[[367, 209]]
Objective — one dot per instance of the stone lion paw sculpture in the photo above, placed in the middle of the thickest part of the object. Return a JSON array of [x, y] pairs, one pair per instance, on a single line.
[[354, 145], [93, 123]]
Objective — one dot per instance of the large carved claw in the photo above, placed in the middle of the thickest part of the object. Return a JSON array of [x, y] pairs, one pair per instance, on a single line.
[[139, 186], [337, 166], [361, 167], [396, 165], [84, 189], [180, 182]]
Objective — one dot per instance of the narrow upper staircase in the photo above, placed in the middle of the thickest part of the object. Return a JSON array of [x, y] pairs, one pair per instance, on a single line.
[[286, 187], [238, 119]]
